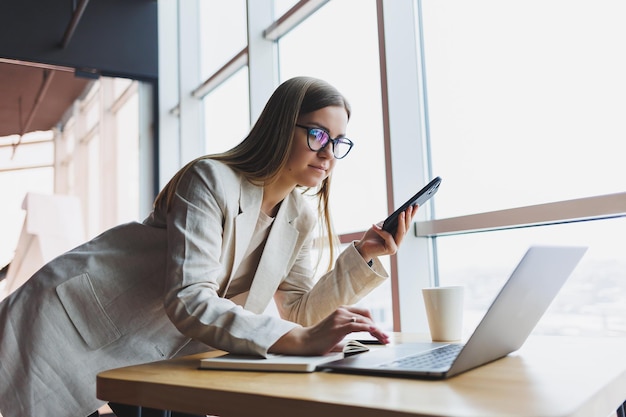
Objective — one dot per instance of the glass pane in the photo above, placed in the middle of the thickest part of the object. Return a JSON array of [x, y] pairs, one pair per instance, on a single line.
[[35, 149], [591, 303], [127, 125], [92, 198], [120, 85], [307, 50], [526, 101], [282, 6], [14, 186], [92, 110], [223, 33], [227, 113]]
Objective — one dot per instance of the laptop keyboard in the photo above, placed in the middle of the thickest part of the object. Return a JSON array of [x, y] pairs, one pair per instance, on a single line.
[[441, 357]]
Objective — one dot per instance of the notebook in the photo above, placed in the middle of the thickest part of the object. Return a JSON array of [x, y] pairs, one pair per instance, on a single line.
[[280, 363], [505, 327]]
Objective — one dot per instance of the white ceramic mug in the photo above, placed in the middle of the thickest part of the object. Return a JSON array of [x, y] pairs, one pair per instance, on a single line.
[[444, 310]]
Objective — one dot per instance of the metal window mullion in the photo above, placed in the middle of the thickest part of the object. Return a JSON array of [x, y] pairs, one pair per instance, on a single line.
[[192, 144], [169, 158], [262, 56], [588, 208], [148, 187], [109, 151]]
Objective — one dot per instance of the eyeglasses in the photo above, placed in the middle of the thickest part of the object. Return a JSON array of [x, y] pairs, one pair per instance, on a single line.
[[318, 139]]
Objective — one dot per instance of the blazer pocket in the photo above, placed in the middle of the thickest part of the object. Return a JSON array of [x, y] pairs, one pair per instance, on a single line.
[[86, 312]]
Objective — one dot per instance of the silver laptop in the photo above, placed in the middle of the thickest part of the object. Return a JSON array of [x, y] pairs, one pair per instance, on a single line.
[[505, 327]]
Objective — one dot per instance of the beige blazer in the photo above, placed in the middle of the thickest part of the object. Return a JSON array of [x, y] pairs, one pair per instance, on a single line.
[[155, 290]]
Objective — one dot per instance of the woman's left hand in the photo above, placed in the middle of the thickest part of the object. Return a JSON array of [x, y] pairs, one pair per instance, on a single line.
[[376, 242]]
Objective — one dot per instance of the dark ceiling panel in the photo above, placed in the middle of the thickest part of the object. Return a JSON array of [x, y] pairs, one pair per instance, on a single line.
[[116, 38]]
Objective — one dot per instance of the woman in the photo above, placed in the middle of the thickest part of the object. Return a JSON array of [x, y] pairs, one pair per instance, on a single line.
[[227, 234]]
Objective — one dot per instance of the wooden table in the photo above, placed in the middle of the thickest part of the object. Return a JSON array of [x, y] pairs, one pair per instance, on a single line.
[[549, 376]]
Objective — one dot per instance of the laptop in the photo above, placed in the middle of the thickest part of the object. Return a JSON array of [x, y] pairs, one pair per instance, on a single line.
[[505, 327]]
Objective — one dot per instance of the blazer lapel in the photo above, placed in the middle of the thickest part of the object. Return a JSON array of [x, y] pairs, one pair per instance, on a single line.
[[276, 256], [250, 198]]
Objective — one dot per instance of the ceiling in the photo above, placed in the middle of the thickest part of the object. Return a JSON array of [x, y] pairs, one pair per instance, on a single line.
[[34, 98], [50, 50]]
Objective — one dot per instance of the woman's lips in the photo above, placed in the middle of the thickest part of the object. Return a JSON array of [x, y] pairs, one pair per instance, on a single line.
[[319, 168]]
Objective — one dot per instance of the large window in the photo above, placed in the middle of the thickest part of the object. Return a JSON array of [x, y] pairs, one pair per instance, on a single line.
[[526, 101], [526, 104], [590, 302], [516, 105]]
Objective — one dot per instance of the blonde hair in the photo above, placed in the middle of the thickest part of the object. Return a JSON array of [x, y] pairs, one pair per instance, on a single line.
[[261, 156]]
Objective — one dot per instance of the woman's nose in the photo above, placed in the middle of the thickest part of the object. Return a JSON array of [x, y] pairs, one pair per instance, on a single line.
[[326, 151]]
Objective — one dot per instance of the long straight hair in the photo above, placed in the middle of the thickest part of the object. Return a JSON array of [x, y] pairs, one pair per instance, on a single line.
[[261, 156]]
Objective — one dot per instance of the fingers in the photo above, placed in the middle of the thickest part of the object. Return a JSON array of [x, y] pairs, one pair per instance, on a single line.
[[353, 316], [355, 325], [357, 311], [404, 223], [388, 239], [377, 333], [376, 241], [356, 319], [407, 217], [381, 336]]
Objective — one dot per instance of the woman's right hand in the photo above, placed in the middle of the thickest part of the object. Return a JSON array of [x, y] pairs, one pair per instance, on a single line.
[[327, 334], [377, 242]]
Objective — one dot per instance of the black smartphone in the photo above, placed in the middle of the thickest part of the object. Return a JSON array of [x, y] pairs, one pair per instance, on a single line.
[[391, 223]]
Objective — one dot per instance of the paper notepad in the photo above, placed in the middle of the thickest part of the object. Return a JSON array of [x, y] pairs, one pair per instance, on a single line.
[[281, 363]]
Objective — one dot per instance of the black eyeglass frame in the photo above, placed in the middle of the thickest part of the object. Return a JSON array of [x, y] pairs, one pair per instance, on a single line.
[[342, 139]]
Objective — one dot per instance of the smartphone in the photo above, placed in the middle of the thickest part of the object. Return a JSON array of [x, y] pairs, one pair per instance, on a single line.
[[391, 223]]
